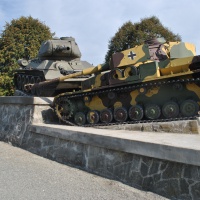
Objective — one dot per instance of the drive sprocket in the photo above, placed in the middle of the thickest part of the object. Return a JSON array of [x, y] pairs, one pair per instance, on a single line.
[[63, 108]]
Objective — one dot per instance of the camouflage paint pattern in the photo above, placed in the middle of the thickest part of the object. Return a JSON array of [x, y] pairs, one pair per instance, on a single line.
[[148, 69], [154, 94], [161, 78]]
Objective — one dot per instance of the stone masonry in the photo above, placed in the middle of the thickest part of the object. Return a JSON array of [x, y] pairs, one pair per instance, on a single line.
[[17, 114], [21, 123], [169, 179]]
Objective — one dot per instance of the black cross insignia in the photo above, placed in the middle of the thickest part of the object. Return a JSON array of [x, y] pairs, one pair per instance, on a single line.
[[131, 55]]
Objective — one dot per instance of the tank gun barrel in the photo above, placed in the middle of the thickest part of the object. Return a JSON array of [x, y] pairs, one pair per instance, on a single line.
[[88, 71], [55, 81]]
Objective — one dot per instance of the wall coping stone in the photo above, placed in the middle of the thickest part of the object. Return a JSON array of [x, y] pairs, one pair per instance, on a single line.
[[182, 148]]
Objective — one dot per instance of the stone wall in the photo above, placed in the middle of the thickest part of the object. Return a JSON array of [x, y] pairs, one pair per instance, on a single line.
[[166, 164], [16, 113], [169, 179]]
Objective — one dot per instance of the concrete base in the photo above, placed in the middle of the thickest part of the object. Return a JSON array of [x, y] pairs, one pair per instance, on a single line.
[[165, 163]]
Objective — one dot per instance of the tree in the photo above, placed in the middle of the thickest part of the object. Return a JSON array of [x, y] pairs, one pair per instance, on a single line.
[[21, 38], [130, 35]]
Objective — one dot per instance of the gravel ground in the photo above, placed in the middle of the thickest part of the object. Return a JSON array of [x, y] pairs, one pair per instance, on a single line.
[[26, 176]]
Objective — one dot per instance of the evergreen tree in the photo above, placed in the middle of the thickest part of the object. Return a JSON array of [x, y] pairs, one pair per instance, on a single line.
[[130, 35], [21, 38]]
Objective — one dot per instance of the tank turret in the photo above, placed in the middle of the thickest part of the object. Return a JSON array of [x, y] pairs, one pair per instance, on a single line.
[[56, 57], [64, 48]]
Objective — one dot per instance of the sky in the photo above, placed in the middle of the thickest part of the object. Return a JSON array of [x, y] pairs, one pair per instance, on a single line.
[[93, 23]]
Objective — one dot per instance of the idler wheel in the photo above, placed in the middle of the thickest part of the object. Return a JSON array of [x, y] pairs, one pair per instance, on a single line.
[[189, 108], [170, 110], [93, 117], [19, 82], [152, 111], [106, 116], [136, 112], [80, 118], [120, 114]]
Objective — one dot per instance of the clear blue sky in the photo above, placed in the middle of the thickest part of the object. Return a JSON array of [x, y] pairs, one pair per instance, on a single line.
[[94, 22]]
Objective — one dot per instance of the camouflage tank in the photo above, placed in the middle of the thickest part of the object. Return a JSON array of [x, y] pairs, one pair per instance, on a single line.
[[156, 81], [56, 57]]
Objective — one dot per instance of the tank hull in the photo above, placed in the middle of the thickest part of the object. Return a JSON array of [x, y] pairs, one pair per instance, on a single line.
[[167, 99]]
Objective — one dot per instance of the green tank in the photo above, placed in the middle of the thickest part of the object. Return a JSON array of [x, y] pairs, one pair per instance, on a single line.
[[56, 57], [156, 81]]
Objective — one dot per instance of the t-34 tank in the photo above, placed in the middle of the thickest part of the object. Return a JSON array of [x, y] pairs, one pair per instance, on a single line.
[[56, 57], [156, 81]]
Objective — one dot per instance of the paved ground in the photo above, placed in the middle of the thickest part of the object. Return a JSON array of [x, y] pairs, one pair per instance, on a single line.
[[25, 176]]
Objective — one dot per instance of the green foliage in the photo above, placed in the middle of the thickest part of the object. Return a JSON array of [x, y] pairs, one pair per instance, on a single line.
[[21, 38], [6, 85], [130, 35]]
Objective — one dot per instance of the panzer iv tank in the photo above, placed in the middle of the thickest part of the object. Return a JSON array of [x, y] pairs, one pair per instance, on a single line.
[[156, 81], [56, 57]]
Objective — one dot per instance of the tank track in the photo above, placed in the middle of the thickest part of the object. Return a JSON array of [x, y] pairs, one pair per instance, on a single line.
[[127, 89]]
